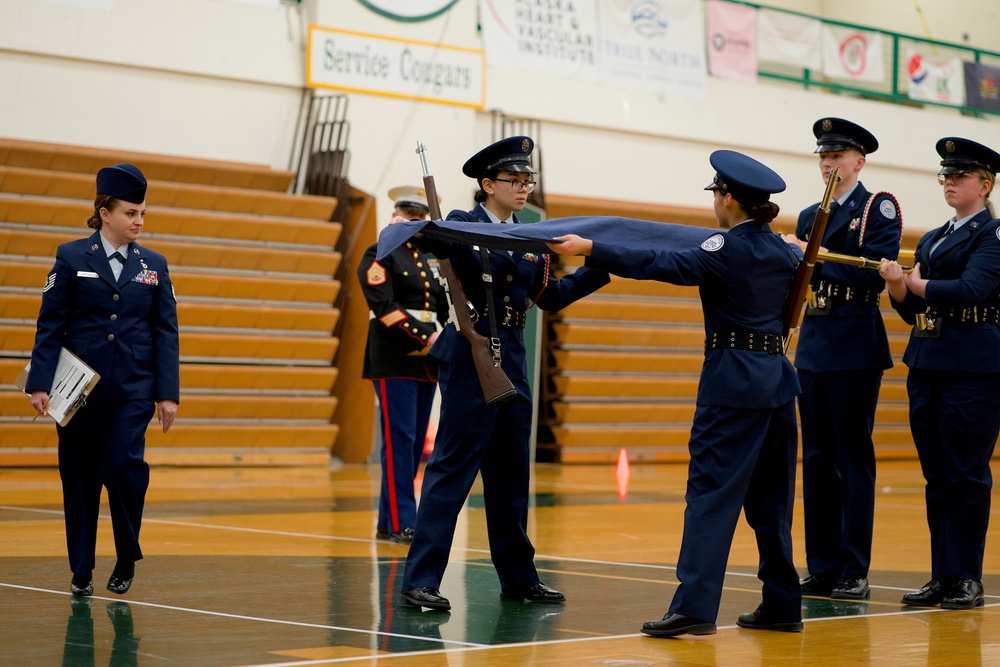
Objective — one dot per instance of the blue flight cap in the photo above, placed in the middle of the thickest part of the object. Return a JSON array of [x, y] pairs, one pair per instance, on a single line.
[[510, 154], [123, 181], [837, 134], [962, 155], [748, 181]]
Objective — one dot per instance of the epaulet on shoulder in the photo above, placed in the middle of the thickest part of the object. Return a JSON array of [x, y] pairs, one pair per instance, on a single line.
[[889, 208]]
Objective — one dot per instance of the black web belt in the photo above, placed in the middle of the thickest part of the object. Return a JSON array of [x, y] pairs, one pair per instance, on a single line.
[[509, 317], [935, 318], [745, 340], [828, 293]]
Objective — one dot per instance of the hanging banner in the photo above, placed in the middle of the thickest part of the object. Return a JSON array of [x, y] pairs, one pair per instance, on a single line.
[[654, 45], [363, 63], [788, 39], [982, 86], [732, 41], [852, 54], [556, 38], [935, 79]]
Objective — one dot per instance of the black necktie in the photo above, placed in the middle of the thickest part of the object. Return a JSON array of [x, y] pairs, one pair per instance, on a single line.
[[117, 255], [949, 229]]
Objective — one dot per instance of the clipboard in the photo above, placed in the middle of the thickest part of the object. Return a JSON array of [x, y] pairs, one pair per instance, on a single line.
[[74, 380]]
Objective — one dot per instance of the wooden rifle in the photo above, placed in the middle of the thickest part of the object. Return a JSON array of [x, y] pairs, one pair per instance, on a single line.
[[797, 294], [497, 387]]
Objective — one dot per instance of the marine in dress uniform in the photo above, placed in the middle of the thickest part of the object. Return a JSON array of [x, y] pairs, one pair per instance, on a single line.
[[743, 441], [953, 355], [119, 315], [472, 437], [841, 354], [408, 307]]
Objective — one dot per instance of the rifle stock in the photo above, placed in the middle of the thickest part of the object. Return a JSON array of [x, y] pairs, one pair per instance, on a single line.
[[797, 294], [497, 387]]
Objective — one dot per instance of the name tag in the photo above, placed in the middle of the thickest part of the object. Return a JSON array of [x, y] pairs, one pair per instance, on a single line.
[[86, 274]]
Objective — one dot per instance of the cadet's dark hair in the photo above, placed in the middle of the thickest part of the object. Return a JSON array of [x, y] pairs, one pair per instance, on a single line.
[[102, 201], [480, 196], [764, 212]]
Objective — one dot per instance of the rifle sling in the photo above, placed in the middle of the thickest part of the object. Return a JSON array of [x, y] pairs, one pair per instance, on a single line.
[[490, 317]]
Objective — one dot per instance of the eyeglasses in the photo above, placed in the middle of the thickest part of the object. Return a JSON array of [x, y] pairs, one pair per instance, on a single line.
[[527, 186], [960, 176]]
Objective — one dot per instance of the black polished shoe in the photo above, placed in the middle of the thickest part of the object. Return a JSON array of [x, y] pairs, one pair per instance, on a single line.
[[118, 584], [82, 591], [930, 595], [758, 620], [404, 536], [425, 596], [819, 585], [381, 534], [964, 594], [672, 625], [850, 589], [537, 593]]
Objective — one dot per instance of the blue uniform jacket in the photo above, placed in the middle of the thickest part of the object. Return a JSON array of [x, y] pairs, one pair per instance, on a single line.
[[744, 276], [964, 272], [852, 337], [519, 279], [126, 331]]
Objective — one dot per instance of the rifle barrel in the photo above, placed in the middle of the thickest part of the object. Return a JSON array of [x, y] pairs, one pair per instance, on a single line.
[[863, 262]]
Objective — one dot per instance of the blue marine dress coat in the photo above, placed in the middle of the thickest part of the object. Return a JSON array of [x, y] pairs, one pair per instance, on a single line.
[[126, 330], [954, 391], [473, 438], [743, 441], [840, 357]]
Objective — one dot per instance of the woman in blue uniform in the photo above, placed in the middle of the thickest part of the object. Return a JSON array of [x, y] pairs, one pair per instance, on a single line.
[[407, 305], [743, 440], [109, 301], [952, 298], [472, 437]]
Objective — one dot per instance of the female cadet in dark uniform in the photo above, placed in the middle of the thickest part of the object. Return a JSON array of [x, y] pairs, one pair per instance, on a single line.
[[407, 304], [743, 441], [473, 437], [953, 299], [109, 301]]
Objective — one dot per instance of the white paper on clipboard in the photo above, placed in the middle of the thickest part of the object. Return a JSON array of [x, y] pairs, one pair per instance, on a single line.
[[73, 382]]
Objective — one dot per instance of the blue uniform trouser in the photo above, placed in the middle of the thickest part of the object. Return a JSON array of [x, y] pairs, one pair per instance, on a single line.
[[955, 420], [103, 445], [405, 409], [838, 470], [745, 459], [473, 438]]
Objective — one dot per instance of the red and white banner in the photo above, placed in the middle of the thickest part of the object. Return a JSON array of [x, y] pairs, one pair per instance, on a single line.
[[853, 54], [935, 79], [732, 41], [788, 39]]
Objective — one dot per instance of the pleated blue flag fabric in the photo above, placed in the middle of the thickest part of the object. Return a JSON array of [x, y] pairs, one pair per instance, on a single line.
[[615, 231]]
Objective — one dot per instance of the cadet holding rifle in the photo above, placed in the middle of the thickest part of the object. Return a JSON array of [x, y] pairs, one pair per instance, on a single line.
[[474, 437]]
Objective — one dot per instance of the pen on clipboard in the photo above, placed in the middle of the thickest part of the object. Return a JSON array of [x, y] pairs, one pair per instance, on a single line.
[[44, 405]]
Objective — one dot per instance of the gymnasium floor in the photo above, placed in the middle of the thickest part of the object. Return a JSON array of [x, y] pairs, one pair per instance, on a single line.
[[248, 567]]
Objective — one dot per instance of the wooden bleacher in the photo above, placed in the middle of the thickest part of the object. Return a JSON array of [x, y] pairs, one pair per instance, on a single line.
[[621, 367], [253, 269]]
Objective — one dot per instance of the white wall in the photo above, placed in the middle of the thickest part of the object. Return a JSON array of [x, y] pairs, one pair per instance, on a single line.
[[223, 80]]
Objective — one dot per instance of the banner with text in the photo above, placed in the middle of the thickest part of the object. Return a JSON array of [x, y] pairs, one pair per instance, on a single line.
[[545, 38], [363, 63], [935, 79], [788, 39], [654, 45], [732, 41], [853, 54], [982, 86]]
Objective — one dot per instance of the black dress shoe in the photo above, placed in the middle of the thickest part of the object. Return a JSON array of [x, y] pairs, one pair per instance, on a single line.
[[758, 620], [850, 589], [964, 594], [425, 596], [537, 593], [672, 625], [819, 585], [118, 584], [381, 534], [82, 591], [404, 536], [930, 595]]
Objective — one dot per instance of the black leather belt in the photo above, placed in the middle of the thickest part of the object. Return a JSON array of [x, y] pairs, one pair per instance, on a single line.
[[935, 318], [746, 340], [828, 293], [509, 317]]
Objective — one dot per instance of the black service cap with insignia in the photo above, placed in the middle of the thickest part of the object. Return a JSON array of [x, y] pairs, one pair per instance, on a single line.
[[962, 155], [748, 181], [510, 154], [837, 134], [123, 181]]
